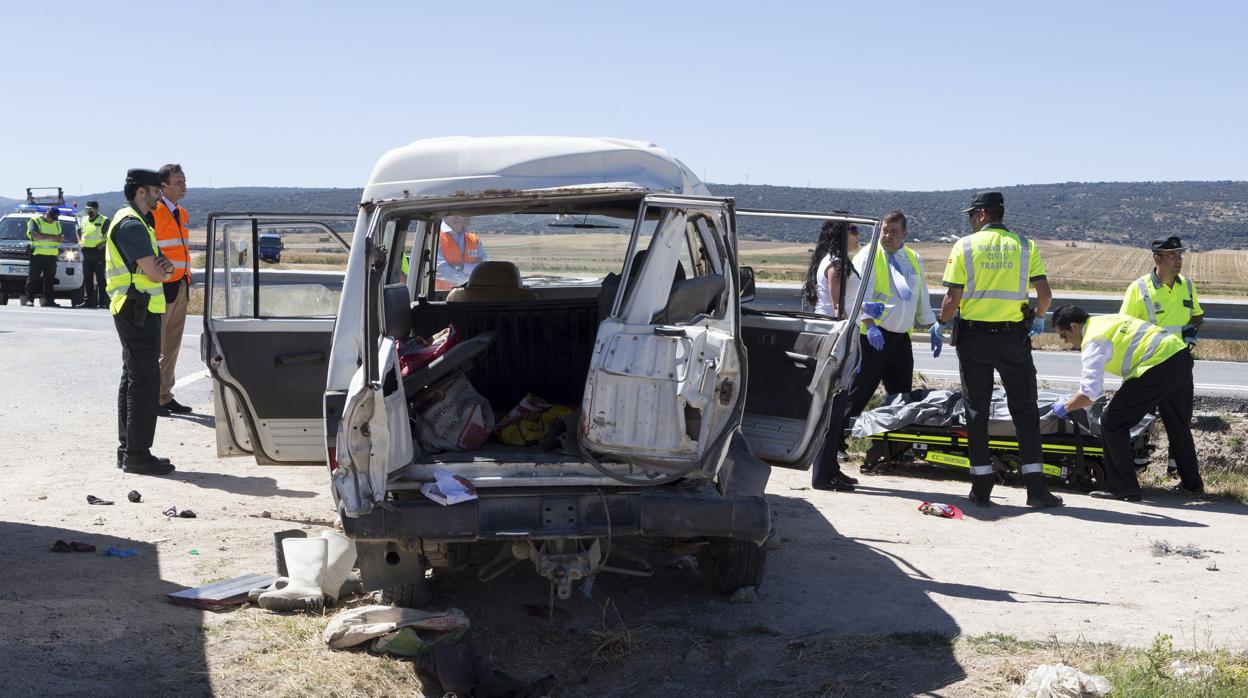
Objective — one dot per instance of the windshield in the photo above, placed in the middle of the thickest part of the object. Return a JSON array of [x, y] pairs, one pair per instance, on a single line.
[[14, 228], [566, 249]]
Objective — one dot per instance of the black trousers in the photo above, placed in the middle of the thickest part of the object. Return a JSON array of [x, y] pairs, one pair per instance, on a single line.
[[981, 353], [93, 294], [1168, 388], [138, 396], [42, 277], [893, 365]]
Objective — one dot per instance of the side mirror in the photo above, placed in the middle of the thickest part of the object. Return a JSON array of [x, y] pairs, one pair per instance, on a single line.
[[745, 281]]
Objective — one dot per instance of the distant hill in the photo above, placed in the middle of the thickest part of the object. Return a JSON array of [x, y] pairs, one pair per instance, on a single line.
[[1211, 215]]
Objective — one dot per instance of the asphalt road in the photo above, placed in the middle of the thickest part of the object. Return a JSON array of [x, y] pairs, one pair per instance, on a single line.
[[65, 332]]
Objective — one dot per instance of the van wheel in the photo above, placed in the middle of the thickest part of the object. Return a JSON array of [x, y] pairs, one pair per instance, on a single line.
[[414, 594], [729, 564]]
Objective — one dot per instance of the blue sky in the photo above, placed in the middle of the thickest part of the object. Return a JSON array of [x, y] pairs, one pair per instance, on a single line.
[[875, 95]]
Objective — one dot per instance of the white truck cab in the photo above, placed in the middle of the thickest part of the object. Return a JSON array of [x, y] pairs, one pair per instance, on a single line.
[[608, 282], [15, 249]]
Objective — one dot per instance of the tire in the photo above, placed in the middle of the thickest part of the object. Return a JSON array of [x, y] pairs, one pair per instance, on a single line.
[[729, 564], [414, 594]]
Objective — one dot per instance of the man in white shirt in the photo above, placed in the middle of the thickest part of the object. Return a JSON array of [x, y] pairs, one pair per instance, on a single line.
[[896, 302]]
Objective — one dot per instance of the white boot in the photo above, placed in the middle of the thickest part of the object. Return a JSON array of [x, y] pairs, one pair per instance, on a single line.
[[340, 562], [305, 561]]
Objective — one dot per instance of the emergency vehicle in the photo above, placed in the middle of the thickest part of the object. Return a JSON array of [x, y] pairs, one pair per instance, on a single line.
[[15, 246]]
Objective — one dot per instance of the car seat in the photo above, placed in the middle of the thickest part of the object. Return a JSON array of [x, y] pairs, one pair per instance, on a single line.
[[492, 281]]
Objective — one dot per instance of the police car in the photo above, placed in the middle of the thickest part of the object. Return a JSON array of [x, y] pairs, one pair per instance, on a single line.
[[15, 248]]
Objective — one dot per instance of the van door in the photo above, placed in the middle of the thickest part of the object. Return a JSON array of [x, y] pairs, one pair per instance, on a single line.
[[796, 360], [267, 331], [664, 381]]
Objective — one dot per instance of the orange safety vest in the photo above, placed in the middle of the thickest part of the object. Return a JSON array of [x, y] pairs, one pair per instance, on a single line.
[[174, 239], [471, 254]]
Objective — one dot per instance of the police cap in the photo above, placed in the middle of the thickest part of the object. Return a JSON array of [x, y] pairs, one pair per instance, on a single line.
[[1170, 243], [143, 178], [93, 205], [985, 199]]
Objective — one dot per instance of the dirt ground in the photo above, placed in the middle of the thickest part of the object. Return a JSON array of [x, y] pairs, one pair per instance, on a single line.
[[864, 595]]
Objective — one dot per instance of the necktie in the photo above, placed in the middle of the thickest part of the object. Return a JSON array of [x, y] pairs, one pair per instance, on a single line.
[[899, 278]]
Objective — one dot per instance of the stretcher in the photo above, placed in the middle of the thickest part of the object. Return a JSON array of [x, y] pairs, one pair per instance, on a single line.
[[928, 426]]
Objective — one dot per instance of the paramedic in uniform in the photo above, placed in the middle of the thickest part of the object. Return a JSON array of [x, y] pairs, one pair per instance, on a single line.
[[459, 252], [988, 274], [1166, 298], [896, 303], [1156, 371], [135, 272], [91, 236]]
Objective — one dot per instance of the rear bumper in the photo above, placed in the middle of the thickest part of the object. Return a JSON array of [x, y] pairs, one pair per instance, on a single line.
[[545, 515]]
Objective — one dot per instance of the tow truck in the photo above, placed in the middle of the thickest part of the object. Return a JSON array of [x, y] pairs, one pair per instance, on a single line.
[[15, 247]]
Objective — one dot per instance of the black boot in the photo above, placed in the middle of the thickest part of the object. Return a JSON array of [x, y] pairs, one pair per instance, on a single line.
[[981, 490], [1038, 494]]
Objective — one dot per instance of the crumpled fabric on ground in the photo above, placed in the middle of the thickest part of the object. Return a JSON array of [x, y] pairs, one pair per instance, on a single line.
[[354, 626], [462, 672], [944, 408], [1061, 681]]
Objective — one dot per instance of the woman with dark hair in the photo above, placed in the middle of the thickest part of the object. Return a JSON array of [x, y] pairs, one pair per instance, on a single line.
[[822, 288]]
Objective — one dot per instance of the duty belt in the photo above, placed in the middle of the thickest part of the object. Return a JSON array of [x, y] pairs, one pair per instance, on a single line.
[[994, 327]]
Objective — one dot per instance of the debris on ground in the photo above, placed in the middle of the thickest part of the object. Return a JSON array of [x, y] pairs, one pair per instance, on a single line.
[[134, 496], [114, 551], [72, 547], [384, 626], [1061, 681], [1191, 671], [172, 512], [221, 595], [1163, 548], [92, 499], [744, 595], [940, 509]]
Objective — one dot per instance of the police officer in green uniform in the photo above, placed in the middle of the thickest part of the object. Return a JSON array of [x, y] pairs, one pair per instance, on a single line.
[[44, 233], [91, 237], [135, 271], [1166, 298], [988, 274], [1156, 372]]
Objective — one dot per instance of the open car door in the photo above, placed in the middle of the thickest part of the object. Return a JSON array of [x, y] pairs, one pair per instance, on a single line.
[[267, 331], [796, 360], [665, 376]]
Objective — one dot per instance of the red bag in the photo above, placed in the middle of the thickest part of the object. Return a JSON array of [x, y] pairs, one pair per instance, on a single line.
[[418, 352]]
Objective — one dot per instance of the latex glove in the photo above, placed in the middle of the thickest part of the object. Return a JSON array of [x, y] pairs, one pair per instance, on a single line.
[[1189, 334], [1037, 326], [873, 310], [875, 337], [1059, 409], [938, 341]]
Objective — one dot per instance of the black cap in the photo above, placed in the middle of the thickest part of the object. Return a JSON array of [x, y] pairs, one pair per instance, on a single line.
[[55, 213], [1170, 243], [93, 204], [984, 199], [143, 178]]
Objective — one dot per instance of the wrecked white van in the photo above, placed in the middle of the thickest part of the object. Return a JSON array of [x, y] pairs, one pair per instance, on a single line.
[[607, 281]]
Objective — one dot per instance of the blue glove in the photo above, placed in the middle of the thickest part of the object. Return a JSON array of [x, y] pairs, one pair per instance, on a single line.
[[875, 338], [1059, 409], [873, 310], [1037, 326], [1189, 334], [938, 341]]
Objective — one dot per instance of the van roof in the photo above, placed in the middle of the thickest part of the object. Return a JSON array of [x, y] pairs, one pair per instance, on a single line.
[[461, 165]]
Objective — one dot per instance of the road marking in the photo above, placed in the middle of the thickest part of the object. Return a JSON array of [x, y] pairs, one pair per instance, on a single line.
[[190, 378]]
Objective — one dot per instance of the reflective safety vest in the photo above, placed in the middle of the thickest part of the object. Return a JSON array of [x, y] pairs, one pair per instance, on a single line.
[[92, 231], [883, 288], [40, 246], [1170, 308], [174, 239], [1138, 345], [452, 254], [118, 279], [998, 264]]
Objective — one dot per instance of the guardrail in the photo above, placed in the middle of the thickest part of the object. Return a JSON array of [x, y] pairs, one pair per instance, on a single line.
[[1223, 319]]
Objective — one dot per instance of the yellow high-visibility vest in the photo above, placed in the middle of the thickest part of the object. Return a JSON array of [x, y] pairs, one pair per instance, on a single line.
[[994, 267], [882, 287], [1170, 308], [40, 246], [92, 231], [118, 279], [1138, 345]]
